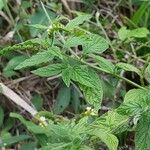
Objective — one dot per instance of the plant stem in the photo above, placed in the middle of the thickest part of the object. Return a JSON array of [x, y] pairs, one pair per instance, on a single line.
[[115, 75], [100, 69]]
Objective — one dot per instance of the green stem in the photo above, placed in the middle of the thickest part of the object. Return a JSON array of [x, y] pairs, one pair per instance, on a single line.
[[100, 69], [115, 75]]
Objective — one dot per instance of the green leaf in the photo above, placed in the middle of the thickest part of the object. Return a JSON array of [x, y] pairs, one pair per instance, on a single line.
[[93, 95], [75, 99], [77, 21], [49, 70], [147, 72], [81, 74], [37, 101], [36, 59], [95, 43], [113, 120], [92, 43], [142, 133], [1, 4], [28, 146], [129, 67], [62, 100], [136, 18], [137, 95], [57, 146], [36, 129], [39, 17], [55, 51], [104, 63], [109, 139], [8, 71], [1, 116], [125, 33], [67, 75], [139, 33], [8, 124], [74, 41], [136, 101], [13, 140]]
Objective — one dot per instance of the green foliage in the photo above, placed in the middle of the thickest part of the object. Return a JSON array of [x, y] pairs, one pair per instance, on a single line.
[[39, 58], [13, 140], [77, 21], [142, 135], [136, 18], [104, 63], [54, 55], [147, 73], [1, 116], [37, 101], [109, 139], [129, 67], [49, 70], [92, 43], [70, 135], [62, 100], [8, 71], [125, 33]]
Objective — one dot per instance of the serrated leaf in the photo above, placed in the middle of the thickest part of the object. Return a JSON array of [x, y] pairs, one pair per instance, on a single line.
[[81, 74], [36, 59], [112, 120], [109, 139], [55, 51], [135, 102], [67, 75], [129, 67], [142, 133], [49, 70], [137, 95], [77, 21], [95, 43], [93, 95], [92, 43], [104, 63], [74, 41], [62, 100], [147, 72]]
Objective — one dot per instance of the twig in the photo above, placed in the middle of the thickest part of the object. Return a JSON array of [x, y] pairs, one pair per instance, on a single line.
[[67, 8], [17, 99]]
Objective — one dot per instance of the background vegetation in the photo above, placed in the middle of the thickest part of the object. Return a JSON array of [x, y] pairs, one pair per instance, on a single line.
[[74, 74]]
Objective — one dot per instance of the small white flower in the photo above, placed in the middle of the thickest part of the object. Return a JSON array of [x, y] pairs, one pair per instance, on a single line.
[[42, 118], [49, 28], [88, 108]]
